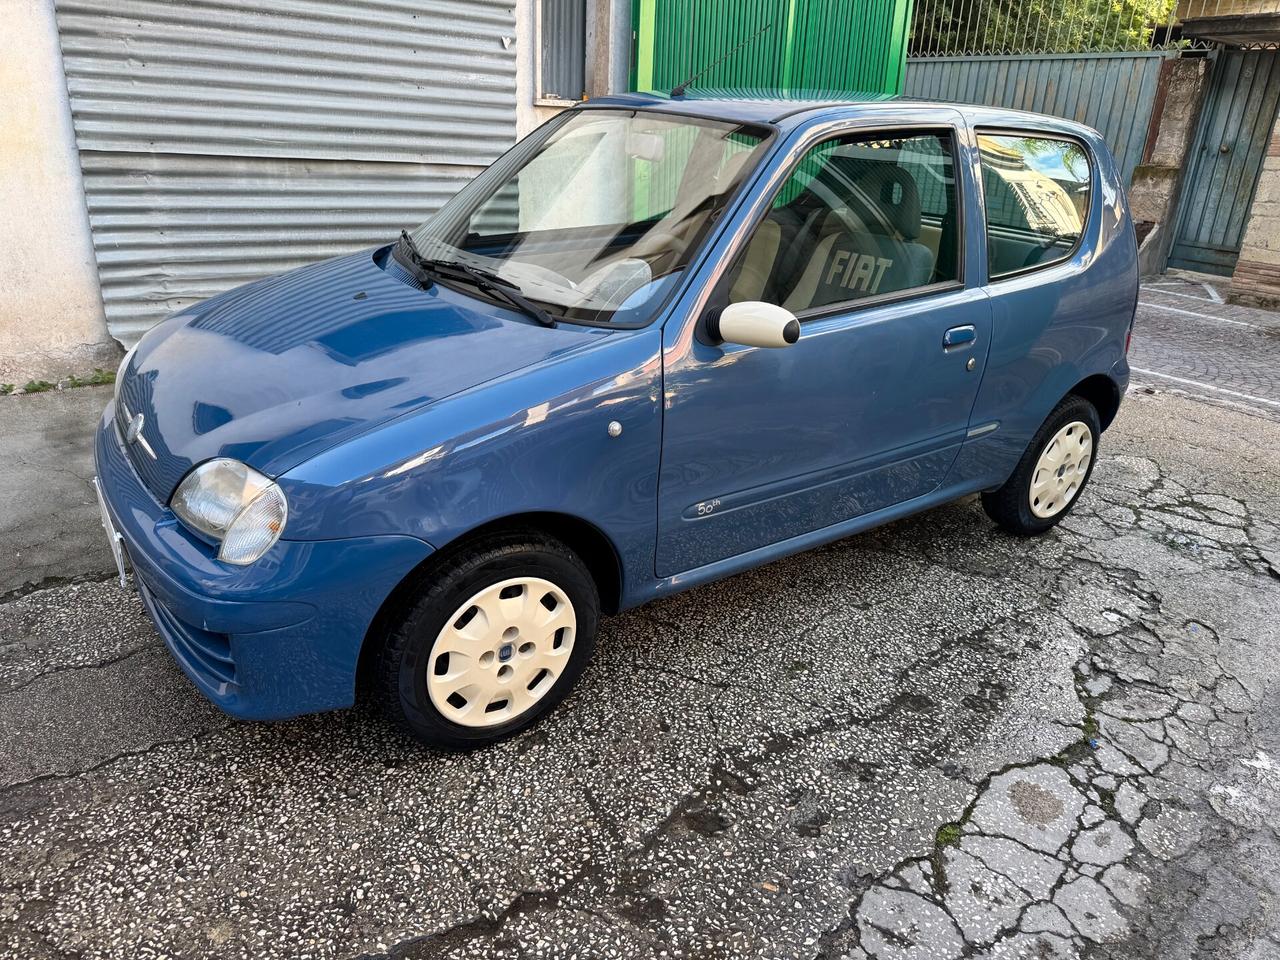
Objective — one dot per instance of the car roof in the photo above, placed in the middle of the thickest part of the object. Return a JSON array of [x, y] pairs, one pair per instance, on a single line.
[[788, 109]]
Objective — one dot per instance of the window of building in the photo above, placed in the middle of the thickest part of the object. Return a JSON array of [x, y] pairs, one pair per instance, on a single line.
[[562, 71]]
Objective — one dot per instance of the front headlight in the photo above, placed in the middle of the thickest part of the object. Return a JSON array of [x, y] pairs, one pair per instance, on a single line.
[[233, 504]]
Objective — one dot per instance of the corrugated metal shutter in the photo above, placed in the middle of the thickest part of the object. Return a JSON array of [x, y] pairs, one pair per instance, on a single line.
[[170, 230], [222, 140], [563, 34], [1112, 92]]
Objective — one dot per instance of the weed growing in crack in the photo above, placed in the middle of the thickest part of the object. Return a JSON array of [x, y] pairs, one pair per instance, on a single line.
[[1090, 725], [98, 378], [948, 835]]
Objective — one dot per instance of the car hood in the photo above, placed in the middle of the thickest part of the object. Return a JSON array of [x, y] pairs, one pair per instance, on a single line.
[[276, 371]]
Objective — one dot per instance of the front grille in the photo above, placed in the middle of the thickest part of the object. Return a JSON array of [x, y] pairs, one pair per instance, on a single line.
[[206, 654]]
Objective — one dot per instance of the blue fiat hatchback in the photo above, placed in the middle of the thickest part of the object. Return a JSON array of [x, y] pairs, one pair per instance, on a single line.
[[660, 341]]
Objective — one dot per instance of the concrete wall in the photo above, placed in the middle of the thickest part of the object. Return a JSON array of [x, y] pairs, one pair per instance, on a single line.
[[1256, 280], [1153, 191], [51, 320]]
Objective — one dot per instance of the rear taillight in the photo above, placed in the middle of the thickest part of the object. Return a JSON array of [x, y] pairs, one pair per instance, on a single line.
[[1128, 339]]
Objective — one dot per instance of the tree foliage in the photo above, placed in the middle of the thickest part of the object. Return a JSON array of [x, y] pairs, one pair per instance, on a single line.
[[943, 27]]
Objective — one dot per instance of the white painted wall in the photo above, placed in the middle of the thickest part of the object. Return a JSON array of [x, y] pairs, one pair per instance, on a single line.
[[51, 319], [530, 113]]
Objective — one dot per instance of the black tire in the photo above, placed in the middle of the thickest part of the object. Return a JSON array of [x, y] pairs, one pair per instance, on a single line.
[[400, 679], [1010, 505]]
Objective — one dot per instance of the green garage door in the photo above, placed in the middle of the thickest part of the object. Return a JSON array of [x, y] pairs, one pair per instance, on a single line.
[[1235, 127], [837, 45]]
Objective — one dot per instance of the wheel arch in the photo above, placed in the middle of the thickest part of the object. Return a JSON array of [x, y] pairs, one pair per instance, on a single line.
[[1103, 393], [581, 536]]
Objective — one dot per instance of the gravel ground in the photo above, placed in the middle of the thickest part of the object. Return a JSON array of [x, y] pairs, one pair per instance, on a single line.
[[930, 741]]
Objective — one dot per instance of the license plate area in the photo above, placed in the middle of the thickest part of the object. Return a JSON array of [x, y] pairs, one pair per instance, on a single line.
[[114, 540]]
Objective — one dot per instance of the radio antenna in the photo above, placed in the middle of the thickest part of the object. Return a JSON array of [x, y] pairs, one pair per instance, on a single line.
[[679, 89]]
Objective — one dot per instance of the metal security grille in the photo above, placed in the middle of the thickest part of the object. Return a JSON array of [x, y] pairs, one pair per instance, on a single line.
[[223, 140], [173, 229], [966, 27]]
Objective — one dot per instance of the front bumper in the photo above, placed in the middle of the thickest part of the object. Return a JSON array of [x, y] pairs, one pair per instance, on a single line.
[[274, 639]]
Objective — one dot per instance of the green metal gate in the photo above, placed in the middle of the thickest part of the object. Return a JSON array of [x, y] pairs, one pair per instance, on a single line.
[[1235, 127], [837, 45]]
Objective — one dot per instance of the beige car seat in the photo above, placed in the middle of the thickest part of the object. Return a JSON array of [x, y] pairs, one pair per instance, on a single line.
[[869, 247]]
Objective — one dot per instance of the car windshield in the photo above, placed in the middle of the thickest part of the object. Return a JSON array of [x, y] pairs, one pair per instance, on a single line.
[[595, 216]]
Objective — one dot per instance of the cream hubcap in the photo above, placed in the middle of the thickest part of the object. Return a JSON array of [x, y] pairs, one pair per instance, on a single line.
[[1061, 469], [501, 652]]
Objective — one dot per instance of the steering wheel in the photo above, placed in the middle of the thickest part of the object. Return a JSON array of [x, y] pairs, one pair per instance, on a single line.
[[612, 283]]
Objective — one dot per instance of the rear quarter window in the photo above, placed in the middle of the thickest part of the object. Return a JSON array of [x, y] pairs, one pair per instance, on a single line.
[[1036, 191]]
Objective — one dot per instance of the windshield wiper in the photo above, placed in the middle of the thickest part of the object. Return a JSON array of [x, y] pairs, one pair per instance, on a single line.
[[494, 285], [489, 283], [416, 260]]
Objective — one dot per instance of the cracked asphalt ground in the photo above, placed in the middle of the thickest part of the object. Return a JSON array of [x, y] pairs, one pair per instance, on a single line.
[[929, 741]]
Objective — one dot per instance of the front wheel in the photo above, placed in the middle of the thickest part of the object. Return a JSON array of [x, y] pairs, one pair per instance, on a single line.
[[1054, 469], [497, 637]]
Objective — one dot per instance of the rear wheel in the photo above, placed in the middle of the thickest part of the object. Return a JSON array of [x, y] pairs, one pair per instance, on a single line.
[[1054, 469], [498, 636]]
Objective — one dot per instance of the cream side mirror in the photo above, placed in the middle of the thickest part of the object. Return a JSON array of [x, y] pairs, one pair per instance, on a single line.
[[754, 323]]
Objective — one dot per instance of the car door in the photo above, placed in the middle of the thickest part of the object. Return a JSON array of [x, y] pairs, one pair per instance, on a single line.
[[864, 241], [1061, 282]]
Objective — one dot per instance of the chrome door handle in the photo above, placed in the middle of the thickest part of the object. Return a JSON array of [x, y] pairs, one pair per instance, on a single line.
[[958, 337]]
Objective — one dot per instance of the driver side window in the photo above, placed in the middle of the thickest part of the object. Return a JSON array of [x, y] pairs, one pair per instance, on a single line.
[[859, 217]]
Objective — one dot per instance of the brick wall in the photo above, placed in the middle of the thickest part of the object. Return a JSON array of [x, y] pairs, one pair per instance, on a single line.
[[1256, 279]]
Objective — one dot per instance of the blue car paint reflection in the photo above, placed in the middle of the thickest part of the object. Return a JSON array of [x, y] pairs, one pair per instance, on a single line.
[[400, 420]]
